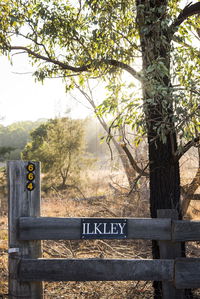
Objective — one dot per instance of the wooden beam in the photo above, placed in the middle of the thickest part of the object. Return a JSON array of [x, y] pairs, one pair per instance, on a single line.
[[49, 228], [149, 229], [187, 273], [186, 230], [94, 270]]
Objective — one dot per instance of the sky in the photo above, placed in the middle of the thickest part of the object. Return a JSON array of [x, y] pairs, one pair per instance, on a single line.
[[21, 98]]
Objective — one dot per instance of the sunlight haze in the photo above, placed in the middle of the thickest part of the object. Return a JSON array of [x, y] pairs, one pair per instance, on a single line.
[[24, 99]]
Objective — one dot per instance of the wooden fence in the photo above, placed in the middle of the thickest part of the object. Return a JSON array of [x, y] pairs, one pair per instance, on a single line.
[[27, 268]]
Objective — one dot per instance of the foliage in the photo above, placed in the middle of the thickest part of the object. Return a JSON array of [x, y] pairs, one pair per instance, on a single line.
[[59, 144], [14, 137], [4, 152], [84, 39]]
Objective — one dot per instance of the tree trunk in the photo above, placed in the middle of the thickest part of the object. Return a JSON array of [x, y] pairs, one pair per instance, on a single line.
[[164, 178], [164, 169], [158, 107], [164, 190]]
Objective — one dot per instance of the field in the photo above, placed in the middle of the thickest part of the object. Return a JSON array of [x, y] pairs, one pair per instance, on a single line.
[[105, 195]]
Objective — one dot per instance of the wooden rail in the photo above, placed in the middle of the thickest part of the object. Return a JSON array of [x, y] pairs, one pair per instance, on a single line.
[[185, 230], [47, 228], [184, 272], [95, 269], [50, 228], [27, 268]]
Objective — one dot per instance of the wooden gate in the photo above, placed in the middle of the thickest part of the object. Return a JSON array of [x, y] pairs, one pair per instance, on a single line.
[[27, 268]]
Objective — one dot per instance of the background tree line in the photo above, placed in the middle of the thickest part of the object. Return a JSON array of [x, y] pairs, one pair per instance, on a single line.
[[65, 146], [14, 137]]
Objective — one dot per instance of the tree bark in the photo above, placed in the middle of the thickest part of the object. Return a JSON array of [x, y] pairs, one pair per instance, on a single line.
[[162, 140], [162, 143]]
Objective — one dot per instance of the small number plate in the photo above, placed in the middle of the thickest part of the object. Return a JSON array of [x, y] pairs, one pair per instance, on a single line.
[[30, 186]]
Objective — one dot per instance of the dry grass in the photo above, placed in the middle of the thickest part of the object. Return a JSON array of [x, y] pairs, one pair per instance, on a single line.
[[114, 205], [3, 255], [73, 203]]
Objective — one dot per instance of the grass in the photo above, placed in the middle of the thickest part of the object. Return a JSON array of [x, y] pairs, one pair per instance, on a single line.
[[3, 256]]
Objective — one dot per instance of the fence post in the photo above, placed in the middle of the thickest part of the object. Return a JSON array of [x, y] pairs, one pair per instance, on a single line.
[[169, 250], [23, 200]]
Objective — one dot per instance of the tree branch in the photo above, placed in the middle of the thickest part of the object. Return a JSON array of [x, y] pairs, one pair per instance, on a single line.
[[51, 60], [194, 196], [188, 11], [187, 147], [136, 180], [124, 159], [125, 67], [84, 68], [189, 190], [132, 161], [179, 40]]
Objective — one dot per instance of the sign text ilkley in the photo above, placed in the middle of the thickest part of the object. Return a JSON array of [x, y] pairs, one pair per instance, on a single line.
[[102, 228]]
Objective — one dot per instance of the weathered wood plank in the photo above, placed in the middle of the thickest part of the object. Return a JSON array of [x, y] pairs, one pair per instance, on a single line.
[[94, 270], [186, 230], [187, 273], [149, 229], [169, 250], [47, 228], [22, 203]]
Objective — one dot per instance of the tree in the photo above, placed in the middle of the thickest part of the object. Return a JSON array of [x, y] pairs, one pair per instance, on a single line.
[[104, 38], [14, 137], [5, 152], [59, 144], [128, 162]]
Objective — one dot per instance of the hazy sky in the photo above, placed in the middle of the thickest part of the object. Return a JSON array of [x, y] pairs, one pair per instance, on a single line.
[[21, 98]]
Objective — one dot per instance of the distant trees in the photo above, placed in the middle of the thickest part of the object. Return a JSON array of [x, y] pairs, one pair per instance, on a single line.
[[60, 145], [14, 137], [5, 152]]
